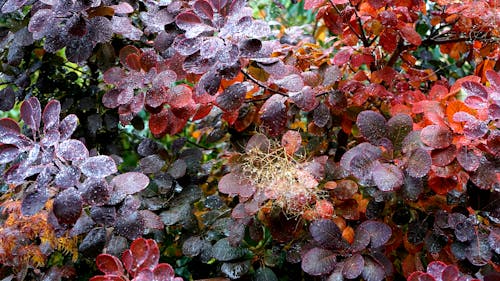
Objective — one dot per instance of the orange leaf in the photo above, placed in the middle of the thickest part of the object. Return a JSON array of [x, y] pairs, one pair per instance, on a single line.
[[454, 107], [348, 234]]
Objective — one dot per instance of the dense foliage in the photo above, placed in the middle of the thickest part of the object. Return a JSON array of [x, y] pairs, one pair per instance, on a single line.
[[259, 140]]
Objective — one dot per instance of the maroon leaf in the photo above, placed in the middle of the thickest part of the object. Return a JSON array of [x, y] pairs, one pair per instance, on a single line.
[[203, 9], [151, 220], [273, 114], [232, 97], [187, 46], [72, 150], [443, 157], [68, 176], [218, 4], [9, 126], [468, 159], [109, 264], [250, 47], [419, 163], [67, 206], [353, 266], [485, 176], [409, 33], [233, 184], [436, 136], [129, 183], [372, 125], [318, 261], [191, 23], [50, 115], [98, 166], [31, 113]]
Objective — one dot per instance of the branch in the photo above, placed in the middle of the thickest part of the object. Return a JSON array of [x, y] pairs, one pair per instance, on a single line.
[[431, 42], [364, 39], [248, 76], [348, 23]]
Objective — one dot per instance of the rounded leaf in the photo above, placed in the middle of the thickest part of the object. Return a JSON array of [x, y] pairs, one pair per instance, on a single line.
[[31, 113], [109, 264], [232, 97], [436, 136], [353, 266], [129, 183], [291, 141], [72, 150], [379, 232], [386, 176], [318, 261], [326, 233], [419, 163], [98, 166], [234, 184], [67, 206], [372, 125]]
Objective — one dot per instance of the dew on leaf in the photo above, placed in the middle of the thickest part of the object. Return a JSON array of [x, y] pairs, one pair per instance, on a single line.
[[72, 150], [34, 200], [436, 136], [98, 166], [67, 206], [326, 233], [232, 97], [372, 271], [386, 176], [318, 261]]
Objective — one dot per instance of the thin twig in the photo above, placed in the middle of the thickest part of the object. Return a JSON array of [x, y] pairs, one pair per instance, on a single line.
[[365, 40], [349, 23], [262, 85]]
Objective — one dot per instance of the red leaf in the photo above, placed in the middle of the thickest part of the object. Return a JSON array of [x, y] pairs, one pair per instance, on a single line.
[[443, 157], [109, 264], [133, 61], [163, 272], [234, 184], [129, 183], [436, 136], [389, 40], [126, 51], [158, 123], [410, 35], [291, 141], [342, 57]]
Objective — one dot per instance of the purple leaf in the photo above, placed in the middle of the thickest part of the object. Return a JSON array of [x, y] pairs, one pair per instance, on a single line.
[[373, 271], [468, 159], [318, 261], [68, 126], [477, 95], [419, 163], [8, 153], [98, 166], [130, 227], [156, 20], [321, 115], [485, 177], [34, 200], [10, 6], [326, 233], [31, 113], [398, 128], [353, 266], [67, 206], [436, 136], [494, 238], [251, 47], [72, 150], [68, 176], [9, 126], [232, 97], [129, 183], [211, 46], [292, 83], [7, 99], [305, 99], [379, 232], [273, 114], [372, 125], [386, 176], [95, 191]]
